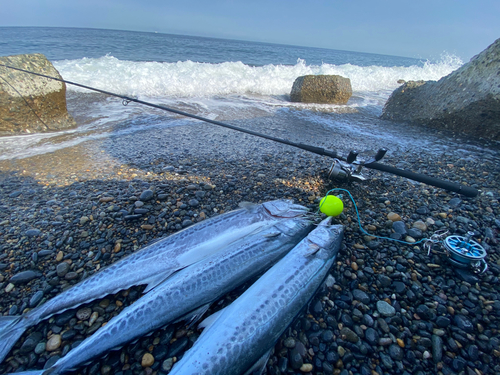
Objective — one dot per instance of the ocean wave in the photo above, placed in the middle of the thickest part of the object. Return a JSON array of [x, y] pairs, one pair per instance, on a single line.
[[193, 79]]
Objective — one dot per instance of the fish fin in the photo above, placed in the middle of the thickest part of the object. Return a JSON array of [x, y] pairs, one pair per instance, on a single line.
[[273, 234], [32, 372], [247, 205], [209, 320], [11, 329], [197, 314], [313, 249], [193, 316], [157, 279], [259, 366]]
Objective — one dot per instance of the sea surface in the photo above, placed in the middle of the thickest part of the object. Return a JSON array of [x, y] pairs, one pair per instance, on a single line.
[[237, 82]]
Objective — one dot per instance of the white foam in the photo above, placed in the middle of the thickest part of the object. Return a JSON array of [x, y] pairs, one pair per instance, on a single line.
[[192, 79]]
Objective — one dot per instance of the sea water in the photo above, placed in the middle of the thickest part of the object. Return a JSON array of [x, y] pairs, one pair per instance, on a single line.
[[226, 80]]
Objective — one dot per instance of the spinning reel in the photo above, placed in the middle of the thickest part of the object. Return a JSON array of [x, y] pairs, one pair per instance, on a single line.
[[462, 252], [350, 169]]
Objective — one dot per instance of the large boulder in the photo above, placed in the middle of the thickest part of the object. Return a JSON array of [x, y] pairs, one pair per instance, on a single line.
[[465, 101], [29, 103], [328, 89]]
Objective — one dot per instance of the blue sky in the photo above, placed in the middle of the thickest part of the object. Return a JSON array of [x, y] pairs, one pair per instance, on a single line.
[[413, 28]]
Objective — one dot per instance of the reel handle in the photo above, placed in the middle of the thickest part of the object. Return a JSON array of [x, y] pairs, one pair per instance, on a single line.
[[451, 186]]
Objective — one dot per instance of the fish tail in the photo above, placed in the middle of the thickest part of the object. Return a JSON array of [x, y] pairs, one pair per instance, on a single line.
[[11, 329]]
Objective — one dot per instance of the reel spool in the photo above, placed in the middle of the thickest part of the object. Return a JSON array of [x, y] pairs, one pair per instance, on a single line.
[[350, 169], [464, 252]]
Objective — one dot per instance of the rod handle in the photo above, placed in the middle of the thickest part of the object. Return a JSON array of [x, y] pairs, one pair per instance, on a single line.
[[451, 186]]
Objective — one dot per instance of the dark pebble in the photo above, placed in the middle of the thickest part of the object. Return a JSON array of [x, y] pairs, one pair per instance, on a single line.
[[24, 277], [146, 195], [33, 232], [37, 297]]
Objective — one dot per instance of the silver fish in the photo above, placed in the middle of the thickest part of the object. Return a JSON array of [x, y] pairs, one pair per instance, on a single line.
[[154, 263], [189, 291], [250, 326]]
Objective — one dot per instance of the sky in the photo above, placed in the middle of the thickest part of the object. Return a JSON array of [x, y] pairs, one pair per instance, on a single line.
[[411, 28]]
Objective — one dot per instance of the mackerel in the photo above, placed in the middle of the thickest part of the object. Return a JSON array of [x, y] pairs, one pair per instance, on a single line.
[[248, 328], [189, 292], [153, 264]]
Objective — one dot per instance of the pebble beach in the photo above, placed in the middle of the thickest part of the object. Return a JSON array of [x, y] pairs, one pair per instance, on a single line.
[[386, 307]]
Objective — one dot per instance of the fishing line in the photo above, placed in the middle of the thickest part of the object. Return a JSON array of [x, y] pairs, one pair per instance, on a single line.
[[126, 100], [359, 221], [461, 189]]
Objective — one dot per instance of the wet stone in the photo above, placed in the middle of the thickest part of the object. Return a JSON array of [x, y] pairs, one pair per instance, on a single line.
[[53, 343], [31, 342], [178, 346], [33, 232], [399, 227], [385, 309], [424, 312], [396, 352], [24, 277], [289, 343], [399, 287], [327, 336], [146, 195], [350, 335], [361, 296], [84, 313], [443, 321], [37, 297], [62, 269], [295, 358], [463, 323], [437, 348], [386, 281], [372, 336]]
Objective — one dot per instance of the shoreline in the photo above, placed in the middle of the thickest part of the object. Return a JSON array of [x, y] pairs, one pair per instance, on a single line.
[[441, 324]]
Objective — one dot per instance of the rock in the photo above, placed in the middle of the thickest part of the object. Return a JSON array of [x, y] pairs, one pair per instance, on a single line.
[[306, 367], [24, 277], [37, 297], [399, 227], [392, 216], [465, 101], [146, 195], [385, 309], [372, 336], [437, 348], [463, 323], [361, 296], [420, 225], [167, 364], [331, 89], [350, 335], [30, 343], [46, 97], [53, 343], [32, 232], [396, 352], [62, 269], [289, 343], [147, 360], [84, 313]]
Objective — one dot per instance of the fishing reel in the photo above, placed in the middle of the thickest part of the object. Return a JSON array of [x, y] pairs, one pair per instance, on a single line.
[[462, 252], [351, 168]]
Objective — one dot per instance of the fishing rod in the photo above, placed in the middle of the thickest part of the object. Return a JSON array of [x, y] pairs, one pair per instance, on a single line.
[[342, 168]]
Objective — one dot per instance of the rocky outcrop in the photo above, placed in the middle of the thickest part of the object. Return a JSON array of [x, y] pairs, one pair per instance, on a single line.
[[328, 89], [466, 101], [29, 103]]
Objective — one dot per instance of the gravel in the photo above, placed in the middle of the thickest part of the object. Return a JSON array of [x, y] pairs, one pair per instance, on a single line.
[[388, 307]]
